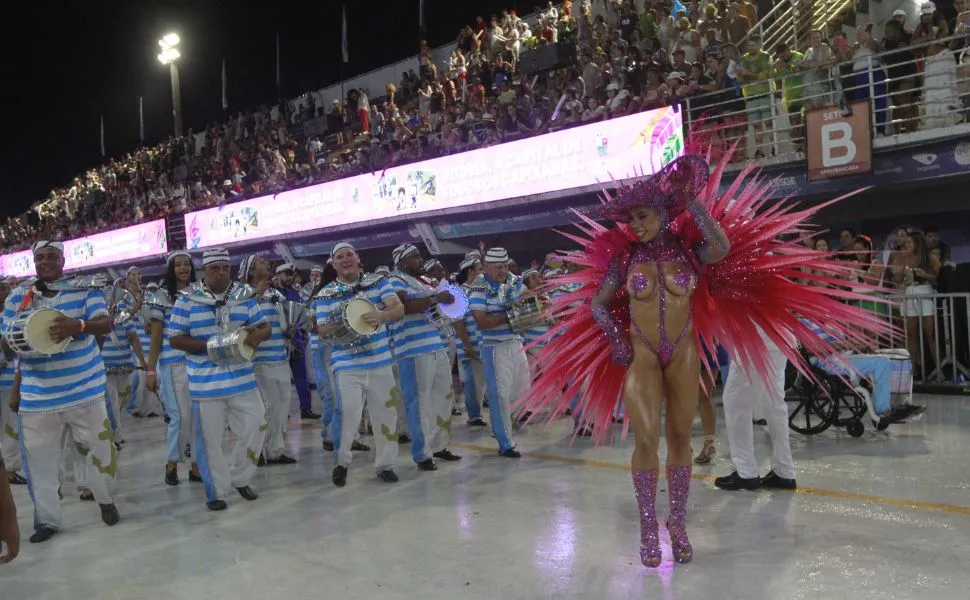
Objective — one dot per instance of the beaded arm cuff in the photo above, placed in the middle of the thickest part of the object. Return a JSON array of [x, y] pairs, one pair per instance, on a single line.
[[715, 245], [619, 340]]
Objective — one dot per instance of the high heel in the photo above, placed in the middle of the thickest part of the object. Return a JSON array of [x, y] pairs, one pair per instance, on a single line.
[[707, 453], [678, 486], [645, 486]]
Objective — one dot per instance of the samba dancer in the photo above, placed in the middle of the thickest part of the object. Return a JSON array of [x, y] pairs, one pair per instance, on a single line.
[[471, 371], [422, 361], [64, 389], [221, 392], [271, 362], [120, 349], [286, 274], [166, 369], [9, 440], [506, 366], [362, 370]]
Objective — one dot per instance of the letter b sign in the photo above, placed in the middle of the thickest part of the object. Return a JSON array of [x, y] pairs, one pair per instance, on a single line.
[[837, 146]]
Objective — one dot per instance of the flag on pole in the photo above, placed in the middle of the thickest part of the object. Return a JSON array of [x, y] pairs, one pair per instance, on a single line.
[[102, 136], [225, 92], [277, 61], [343, 35], [141, 121]]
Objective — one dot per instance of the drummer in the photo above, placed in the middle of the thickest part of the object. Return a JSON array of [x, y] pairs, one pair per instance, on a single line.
[[270, 363], [422, 361], [9, 440], [434, 271], [221, 392], [470, 368], [286, 275], [167, 372], [506, 366], [362, 373], [48, 404], [120, 351]]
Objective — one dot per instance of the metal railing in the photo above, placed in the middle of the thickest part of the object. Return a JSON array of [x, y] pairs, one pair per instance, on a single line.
[[940, 349], [789, 21], [914, 97]]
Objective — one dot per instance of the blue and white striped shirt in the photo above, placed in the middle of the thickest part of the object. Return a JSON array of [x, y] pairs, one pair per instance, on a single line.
[[167, 356], [471, 327], [116, 349], [487, 300], [207, 380], [376, 351], [817, 330], [70, 378], [273, 349], [413, 335], [6, 370]]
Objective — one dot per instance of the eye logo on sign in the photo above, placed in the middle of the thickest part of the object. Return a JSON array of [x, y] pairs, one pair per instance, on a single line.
[[925, 159], [838, 144]]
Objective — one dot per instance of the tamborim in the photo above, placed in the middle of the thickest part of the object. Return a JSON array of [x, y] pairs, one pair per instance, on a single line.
[[442, 315], [530, 312], [230, 348], [28, 333], [351, 326]]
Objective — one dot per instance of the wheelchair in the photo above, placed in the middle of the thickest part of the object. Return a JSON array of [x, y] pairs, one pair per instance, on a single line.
[[814, 406]]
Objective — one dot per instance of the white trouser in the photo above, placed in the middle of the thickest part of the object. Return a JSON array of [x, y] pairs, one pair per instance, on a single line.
[[148, 401], [41, 436], [118, 390], [744, 391], [375, 388], [9, 439], [275, 388], [428, 391], [507, 377], [402, 418], [72, 462], [247, 419], [472, 375]]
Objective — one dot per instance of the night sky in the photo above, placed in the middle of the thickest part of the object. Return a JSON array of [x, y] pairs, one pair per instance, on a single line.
[[66, 63]]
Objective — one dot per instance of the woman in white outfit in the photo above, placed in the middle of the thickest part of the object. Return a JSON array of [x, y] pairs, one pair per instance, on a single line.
[[915, 271]]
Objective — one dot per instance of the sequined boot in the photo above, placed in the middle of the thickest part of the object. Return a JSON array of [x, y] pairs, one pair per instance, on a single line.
[[645, 486], [678, 486]]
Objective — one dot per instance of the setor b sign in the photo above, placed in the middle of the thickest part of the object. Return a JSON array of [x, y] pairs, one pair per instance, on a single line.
[[838, 144]]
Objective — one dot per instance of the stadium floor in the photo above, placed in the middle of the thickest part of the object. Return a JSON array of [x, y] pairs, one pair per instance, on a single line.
[[884, 515]]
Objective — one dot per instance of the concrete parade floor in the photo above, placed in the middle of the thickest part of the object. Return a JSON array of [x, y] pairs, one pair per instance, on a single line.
[[886, 515]]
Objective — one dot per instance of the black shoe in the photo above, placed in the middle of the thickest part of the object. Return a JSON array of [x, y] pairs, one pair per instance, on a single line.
[[188, 451], [403, 439], [172, 476], [511, 453], [284, 460], [247, 493], [761, 422], [151, 415], [117, 446], [734, 482], [167, 419], [339, 476], [309, 414], [456, 412], [775, 481], [17, 479], [387, 476], [42, 534], [195, 478], [327, 446], [584, 432], [86, 495], [427, 465], [262, 461], [359, 447], [479, 422], [524, 417], [109, 514], [217, 505], [447, 454], [568, 412], [485, 404]]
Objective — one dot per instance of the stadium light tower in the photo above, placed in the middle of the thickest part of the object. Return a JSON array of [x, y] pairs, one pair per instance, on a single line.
[[170, 56]]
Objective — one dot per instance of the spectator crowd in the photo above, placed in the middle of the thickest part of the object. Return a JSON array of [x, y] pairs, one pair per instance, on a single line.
[[630, 56]]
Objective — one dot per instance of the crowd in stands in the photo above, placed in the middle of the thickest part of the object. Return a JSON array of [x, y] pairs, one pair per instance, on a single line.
[[630, 55]]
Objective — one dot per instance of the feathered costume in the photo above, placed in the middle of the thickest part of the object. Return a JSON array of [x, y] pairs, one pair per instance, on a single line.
[[760, 283], [763, 281]]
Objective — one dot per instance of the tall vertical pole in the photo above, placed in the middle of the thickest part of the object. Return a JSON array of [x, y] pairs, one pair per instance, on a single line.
[[176, 98]]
